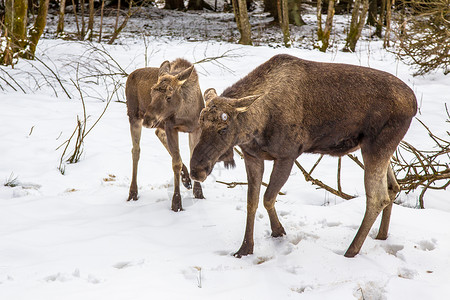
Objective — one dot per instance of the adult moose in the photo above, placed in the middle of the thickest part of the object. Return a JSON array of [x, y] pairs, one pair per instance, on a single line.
[[289, 106], [169, 99]]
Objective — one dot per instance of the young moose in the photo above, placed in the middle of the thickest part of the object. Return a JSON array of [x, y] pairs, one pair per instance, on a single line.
[[289, 106], [170, 100]]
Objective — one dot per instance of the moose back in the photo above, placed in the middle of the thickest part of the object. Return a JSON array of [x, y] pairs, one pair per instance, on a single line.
[[288, 106]]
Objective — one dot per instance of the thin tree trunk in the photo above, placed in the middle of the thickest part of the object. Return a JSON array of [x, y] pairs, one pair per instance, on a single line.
[[62, 9], [243, 24], [284, 21], [38, 28], [319, 20], [380, 21], [324, 36], [124, 23], [91, 19], [387, 33], [356, 24], [101, 22], [372, 15], [16, 23], [76, 18], [83, 23]]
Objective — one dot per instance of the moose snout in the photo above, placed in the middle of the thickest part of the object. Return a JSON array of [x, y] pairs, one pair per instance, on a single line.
[[199, 170], [198, 174]]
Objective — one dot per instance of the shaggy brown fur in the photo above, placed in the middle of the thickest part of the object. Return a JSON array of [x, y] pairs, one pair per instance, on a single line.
[[289, 106], [169, 99]]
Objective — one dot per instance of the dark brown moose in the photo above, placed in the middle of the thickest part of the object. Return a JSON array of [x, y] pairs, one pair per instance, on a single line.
[[170, 100], [289, 106]]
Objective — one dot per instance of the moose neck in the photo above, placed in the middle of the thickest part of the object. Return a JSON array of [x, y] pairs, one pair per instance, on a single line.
[[251, 123]]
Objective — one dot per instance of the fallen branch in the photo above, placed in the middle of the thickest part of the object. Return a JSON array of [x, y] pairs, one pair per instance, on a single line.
[[233, 184], [322, 185]]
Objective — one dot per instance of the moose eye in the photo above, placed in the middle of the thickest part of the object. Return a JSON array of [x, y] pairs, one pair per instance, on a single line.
[[168, 98], [224, 117], [223, 131]]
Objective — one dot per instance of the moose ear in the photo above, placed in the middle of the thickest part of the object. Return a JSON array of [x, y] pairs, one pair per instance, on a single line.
[[164, 68], [210, 94], [243, 104], [184, 75]]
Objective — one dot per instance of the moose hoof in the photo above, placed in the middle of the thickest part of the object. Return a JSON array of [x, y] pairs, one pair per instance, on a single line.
[[244, 251], [278, 232], [350, 253], [176, 203], [198, 192], [381, 236], [133, 196], [185, 179]]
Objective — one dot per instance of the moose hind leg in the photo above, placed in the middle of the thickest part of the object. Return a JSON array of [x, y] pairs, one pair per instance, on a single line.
[[278, 177], [161, 134], [377, 199], [135, 130], [393, 189]]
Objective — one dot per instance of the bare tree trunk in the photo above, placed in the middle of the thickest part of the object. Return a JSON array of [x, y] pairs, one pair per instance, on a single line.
[[83, 23], [372, 14], [388, 22], [101, 22], [14, 30], [356, 24], [76, 18], [284, 21], [91, 19], [380, 21], [324, 36], [62, 8], [243, 24], [117, 30], [16, 23], [38, 28], [319, 20]]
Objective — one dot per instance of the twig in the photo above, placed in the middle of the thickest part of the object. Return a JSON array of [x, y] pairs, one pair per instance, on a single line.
[[321, 184], [233, 184]]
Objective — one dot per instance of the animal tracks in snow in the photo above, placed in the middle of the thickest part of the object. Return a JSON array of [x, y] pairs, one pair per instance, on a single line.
[[75, 275], [427, 245], [127, 264]]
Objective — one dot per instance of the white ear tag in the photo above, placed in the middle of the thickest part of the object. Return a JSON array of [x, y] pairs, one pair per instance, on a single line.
[[224, 116]]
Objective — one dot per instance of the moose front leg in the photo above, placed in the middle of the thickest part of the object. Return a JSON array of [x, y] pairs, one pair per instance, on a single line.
[[185, 179], [135, 130], [193, 140], [255, 170], [278, 177], [172, 143]]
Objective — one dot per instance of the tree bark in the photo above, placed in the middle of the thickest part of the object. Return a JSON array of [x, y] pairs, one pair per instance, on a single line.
[[62, 9], [324, 35], [356, 25], [91, 19], [284, 21], [389, 4], [37, 29], [380, 21], [242, 22], [16, 23], [372, 17]]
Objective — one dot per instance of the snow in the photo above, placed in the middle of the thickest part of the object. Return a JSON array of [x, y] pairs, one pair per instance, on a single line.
[[74, 236]]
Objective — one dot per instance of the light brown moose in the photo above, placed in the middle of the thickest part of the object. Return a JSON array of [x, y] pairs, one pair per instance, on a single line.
[[170, 100], [289, 106]]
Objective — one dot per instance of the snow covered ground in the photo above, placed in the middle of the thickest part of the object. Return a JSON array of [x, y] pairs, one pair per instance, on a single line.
[[74, 236]]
